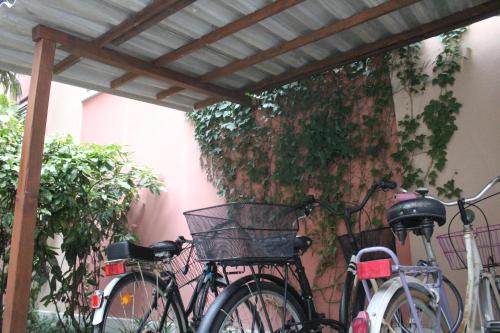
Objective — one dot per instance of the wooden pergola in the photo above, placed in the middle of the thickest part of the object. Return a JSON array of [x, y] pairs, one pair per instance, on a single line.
[[105, 49]]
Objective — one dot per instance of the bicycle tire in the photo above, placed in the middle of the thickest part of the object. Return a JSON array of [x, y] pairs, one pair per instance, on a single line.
[[130, 293], [459, 303], [244, 310], [345, 299], [395, 315], [490, 309], [353, 300]]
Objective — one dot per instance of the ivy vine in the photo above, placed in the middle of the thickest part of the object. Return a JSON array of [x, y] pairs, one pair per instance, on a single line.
[[315, 135], [438, 116], [332, 134]]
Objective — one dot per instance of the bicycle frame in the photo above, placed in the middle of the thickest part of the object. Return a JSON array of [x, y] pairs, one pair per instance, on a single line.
[[209, 275], [474, 268], [405, 279], [476, 276], [475, 271]]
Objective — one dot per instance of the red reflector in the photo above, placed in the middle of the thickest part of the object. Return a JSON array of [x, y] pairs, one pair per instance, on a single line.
[[96, 299], [374, 269], [361, 323], [114, 268]]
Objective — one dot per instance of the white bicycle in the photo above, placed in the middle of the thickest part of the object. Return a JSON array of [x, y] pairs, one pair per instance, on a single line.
[[413, 300]]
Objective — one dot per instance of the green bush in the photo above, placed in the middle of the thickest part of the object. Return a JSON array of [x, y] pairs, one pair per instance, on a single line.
[[86, 191]]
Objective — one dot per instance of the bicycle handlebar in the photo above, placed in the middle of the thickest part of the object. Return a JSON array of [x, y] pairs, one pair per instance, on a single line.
[[383, 185], [348, 211], [471, 199], [387, 185]]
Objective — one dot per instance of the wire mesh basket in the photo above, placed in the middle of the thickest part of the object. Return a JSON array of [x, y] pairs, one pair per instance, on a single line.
[[368, 238], [487, 240], [243, 233], [186, 266]]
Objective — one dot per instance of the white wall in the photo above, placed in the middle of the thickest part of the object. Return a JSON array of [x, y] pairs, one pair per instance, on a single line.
[[474, 151], [65, 108]]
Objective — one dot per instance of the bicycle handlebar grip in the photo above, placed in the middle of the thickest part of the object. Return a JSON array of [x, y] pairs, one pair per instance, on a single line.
[[387, 185], [180, 240], [309, 199]]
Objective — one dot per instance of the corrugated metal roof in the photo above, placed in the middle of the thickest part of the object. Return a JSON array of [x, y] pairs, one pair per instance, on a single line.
[[90, 18]]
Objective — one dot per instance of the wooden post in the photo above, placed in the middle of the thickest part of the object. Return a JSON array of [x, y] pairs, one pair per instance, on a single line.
[[23, 230]]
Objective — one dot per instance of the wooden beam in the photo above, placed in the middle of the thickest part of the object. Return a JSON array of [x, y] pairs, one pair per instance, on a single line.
[[207, 102], [326, 31], [213, 36], [453, 21], [167, 8], [25, 212], [169, 92], [110, 57], [130, 27]]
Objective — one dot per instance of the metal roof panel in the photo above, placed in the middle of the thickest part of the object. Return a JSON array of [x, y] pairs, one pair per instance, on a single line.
[[90, 18]]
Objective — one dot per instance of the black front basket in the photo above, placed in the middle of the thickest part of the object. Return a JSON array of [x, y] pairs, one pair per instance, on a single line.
[[241, 233], [368, 238]]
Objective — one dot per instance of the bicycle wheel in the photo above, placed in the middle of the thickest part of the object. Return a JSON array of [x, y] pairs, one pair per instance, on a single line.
[[250, 310], [353, 298], [138, 304], [346, 313], [490, 309], [397, 317]]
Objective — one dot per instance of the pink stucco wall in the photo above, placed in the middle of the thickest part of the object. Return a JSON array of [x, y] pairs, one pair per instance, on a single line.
[[164, 140], [65, 107], [159, 138]]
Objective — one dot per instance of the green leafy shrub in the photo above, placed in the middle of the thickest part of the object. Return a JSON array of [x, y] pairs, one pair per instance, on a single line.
[[430, 131], [86, 191]]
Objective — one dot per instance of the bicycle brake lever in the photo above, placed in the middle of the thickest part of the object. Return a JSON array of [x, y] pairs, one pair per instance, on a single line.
[[386, 185]]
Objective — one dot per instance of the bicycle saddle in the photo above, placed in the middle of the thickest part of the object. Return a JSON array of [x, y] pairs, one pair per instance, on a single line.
[[412, 213], [166, 246], [127, 250]]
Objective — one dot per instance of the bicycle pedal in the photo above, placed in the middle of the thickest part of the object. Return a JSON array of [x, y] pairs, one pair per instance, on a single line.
[[493, 326]]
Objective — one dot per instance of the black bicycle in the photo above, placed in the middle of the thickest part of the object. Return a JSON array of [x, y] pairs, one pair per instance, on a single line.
[[262, 237], [145, 296]]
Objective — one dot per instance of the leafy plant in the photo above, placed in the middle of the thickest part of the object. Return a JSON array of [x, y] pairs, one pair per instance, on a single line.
[[317, 135], [85, 194], [438, 116], [313, 135], [10, 84]]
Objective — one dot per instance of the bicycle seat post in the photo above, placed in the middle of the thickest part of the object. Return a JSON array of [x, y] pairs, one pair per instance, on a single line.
[[431, 257]]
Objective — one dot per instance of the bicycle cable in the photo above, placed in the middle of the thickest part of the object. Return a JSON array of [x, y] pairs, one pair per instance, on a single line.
[[487, 226]]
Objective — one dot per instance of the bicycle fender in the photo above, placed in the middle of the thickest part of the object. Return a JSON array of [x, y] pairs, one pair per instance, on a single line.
[[99, 313], [383, 296], [230, 290]]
